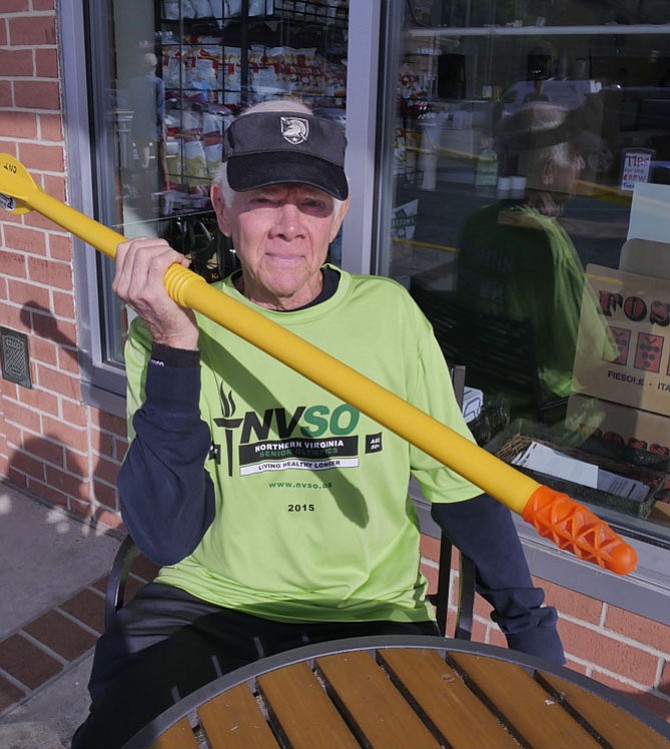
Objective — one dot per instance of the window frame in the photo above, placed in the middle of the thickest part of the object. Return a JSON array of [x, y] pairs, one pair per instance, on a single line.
[[102, 382]]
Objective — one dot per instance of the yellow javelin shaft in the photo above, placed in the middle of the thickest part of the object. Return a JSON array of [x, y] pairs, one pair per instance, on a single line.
[[188, 289], [555, 515]]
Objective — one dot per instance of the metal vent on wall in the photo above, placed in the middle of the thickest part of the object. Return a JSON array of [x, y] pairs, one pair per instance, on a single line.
[[14, 355]]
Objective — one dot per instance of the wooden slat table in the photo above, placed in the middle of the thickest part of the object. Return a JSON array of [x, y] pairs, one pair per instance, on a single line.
[[404, 693]]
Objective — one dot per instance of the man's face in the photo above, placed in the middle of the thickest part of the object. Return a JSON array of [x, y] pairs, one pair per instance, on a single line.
[[281, 235], [568, 172]]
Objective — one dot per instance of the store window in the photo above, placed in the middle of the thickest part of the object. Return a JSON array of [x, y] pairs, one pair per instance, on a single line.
[[526, 154], [165, 80]]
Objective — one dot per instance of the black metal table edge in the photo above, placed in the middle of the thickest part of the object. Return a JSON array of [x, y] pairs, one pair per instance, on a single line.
[[251, 671]]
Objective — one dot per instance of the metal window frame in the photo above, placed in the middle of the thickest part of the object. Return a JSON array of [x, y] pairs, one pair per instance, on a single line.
[[103, 383], [645, 592], [363, 115]]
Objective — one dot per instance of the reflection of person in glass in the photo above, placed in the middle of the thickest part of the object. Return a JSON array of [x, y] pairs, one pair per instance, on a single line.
[[517, 261], [147, 99]]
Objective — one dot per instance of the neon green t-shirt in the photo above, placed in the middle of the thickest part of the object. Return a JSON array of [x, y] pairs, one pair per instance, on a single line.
[[313, 519]]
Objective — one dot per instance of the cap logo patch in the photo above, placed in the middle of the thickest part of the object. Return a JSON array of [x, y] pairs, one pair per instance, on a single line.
[[294, 130]]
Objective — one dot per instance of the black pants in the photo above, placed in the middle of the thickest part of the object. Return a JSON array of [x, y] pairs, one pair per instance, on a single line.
[[166, 644]]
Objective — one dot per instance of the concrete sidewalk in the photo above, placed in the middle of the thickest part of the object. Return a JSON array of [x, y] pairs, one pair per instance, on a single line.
[[52, 581]]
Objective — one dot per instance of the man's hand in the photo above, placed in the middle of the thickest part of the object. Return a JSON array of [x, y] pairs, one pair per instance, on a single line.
[[141, 265]]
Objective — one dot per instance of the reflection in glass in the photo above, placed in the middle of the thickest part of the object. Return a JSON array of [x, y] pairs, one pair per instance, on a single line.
[[509, 244], [174, 76]]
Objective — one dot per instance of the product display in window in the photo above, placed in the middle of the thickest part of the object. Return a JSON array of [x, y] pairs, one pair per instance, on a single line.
[[210, 60], [294, 48], [171, 75]]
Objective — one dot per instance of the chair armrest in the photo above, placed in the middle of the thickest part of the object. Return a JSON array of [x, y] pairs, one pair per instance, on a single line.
[[116, 583]]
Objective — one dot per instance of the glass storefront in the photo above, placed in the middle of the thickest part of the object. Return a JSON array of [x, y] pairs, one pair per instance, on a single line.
[[174, 75], [526, 162]]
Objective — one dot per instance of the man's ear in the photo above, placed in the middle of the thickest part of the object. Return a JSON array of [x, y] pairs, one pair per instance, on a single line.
[[548, 172], [219, 205], [340, 218]]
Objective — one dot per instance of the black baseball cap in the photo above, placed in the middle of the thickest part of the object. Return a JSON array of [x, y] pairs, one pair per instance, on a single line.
[[268, 148], [540, 124]]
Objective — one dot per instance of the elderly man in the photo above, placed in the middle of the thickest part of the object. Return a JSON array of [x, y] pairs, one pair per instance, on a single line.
[[279, 513]]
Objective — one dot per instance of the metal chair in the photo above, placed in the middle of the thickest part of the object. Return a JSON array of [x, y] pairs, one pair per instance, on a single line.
[[115, 591], [466, 567]]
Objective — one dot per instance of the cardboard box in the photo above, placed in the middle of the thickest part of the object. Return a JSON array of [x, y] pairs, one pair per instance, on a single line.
[[645, 257], [637, 311]]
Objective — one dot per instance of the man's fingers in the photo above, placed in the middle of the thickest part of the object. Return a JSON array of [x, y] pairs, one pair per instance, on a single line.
[[141, 265]]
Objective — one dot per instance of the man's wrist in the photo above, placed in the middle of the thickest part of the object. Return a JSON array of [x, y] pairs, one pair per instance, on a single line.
[[163, 355], [172, 384]]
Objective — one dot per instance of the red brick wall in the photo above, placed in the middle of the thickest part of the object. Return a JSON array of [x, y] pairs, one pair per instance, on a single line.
[[51, 444], [63, 451], [622, 650]]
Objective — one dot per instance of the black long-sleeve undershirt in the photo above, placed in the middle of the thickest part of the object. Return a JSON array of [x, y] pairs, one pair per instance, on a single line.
[[166, 495], [167, 501]]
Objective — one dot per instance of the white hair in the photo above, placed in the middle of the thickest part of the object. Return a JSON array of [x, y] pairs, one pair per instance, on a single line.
[[271, 105]]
